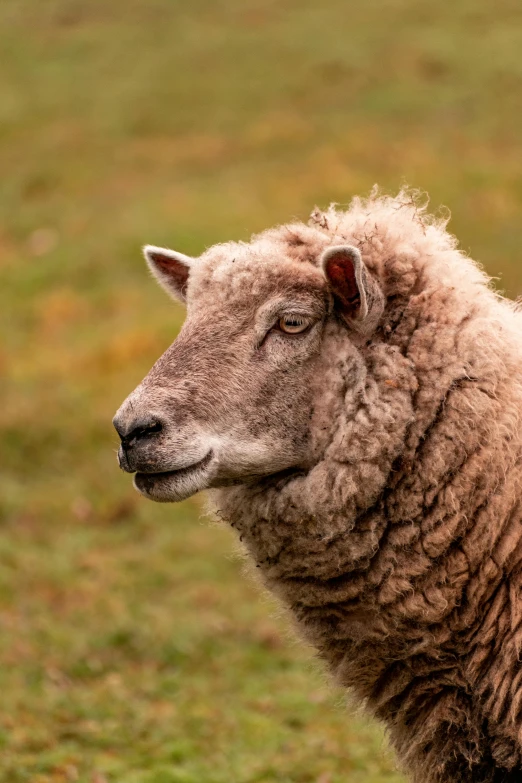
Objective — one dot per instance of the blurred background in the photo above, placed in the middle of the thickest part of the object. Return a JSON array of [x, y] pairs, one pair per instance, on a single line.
[[133, 647]]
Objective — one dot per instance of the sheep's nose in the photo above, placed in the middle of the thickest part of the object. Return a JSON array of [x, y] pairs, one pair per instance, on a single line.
[[133, 430]]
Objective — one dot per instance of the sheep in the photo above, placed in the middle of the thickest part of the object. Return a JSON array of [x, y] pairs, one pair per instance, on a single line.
[[350, 393]]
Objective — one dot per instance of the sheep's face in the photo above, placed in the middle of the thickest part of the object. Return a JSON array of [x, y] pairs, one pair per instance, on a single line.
[[232, 399]]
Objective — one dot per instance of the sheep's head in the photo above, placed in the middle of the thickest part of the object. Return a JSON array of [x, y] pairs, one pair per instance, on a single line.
[[231, 401]]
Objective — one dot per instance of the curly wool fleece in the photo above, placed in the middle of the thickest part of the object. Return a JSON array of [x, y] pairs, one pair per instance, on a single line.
[[400, 552]]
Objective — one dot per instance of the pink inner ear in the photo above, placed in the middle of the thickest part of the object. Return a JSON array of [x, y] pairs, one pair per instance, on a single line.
[[341, 274], [177, 271]]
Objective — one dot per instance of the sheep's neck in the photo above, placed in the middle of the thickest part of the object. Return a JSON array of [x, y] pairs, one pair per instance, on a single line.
[[378, 542]]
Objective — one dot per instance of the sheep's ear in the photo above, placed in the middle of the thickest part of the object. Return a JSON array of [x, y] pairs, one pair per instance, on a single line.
[[358, 298], [170, 269]]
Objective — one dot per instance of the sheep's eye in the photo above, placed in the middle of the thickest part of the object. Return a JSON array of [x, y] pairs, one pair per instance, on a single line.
[[293, 324]]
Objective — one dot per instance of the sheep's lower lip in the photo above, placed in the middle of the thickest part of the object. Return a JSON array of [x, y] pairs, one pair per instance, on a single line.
[[173, 485]]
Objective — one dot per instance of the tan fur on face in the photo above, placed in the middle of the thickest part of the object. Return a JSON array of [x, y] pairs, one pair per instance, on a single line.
[[397, 544], [232, 385]]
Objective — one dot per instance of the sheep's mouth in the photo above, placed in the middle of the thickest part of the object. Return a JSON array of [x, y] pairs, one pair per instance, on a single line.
[[173, 485]]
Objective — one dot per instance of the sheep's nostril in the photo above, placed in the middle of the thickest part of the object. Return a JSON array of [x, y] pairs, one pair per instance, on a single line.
[[157, 426], [142, 431], [137, 430]]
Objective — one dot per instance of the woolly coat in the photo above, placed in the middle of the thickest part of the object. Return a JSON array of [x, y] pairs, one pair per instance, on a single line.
[[400, 552]]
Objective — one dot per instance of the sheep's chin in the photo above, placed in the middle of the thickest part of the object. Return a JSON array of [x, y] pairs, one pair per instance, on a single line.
[[175, 485]]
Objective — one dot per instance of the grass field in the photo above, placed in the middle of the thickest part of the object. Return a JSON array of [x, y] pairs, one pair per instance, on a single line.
[[133, 648]]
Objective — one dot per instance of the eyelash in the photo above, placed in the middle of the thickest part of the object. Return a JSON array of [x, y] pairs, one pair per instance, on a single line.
[[301, 324]]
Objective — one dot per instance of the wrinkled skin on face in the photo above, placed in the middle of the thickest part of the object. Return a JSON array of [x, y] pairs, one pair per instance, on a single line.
[[232, 400]]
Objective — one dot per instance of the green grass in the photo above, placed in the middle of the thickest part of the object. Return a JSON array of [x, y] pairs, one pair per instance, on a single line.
[[133, 648]]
